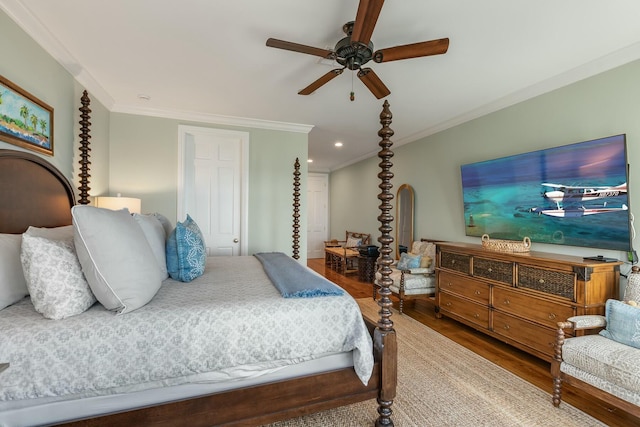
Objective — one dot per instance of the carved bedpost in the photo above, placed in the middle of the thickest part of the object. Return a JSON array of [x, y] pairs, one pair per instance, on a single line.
[[385, 335], [84, 149], [296, 209]]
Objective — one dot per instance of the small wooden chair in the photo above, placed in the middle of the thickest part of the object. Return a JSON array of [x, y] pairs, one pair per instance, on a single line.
[[352, 241]]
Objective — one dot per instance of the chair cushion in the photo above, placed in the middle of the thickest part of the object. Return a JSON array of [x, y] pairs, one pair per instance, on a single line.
[[413, 283], [632, 290], [408, 261], [623, 323], [603, 361]]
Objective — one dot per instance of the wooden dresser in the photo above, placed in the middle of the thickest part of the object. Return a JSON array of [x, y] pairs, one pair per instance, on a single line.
[[520, 298]]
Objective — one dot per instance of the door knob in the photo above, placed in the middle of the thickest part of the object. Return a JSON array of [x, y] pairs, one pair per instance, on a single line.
[[235, 240]]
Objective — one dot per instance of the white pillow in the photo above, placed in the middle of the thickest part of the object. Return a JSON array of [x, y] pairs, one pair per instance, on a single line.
[[155, 235], [54, 277], [116, 258], [58, 233], [13, 287]]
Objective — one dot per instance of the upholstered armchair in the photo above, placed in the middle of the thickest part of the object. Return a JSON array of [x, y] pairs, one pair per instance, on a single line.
[[413, 274], [603, 364]]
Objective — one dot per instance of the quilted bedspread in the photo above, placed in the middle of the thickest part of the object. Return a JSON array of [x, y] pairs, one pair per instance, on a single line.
[[232, 316]]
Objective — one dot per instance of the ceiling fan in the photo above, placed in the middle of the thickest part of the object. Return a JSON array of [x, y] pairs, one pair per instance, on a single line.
[[356, 49]]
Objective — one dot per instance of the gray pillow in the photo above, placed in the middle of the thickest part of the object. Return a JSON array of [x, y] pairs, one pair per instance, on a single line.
[[116, 258], [155, 235], [13, 286]]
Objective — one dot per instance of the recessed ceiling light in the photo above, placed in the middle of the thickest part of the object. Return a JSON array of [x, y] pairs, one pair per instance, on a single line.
[[309, 160], [338, 144]]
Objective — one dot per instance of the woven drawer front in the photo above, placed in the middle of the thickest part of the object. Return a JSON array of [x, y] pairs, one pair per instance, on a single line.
[[495, 270], [457, 262], [548, 281]]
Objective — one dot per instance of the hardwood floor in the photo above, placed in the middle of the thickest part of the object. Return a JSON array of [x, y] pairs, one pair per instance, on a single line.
[[527, 367]]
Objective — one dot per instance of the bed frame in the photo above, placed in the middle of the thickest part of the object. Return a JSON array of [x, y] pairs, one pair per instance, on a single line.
[[34, 192]]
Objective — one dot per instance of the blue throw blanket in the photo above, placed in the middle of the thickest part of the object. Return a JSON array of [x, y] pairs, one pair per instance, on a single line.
[[292, 279]]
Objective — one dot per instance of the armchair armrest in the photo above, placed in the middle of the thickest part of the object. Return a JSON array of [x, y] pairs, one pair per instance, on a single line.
[[575, 323], [589, 321]]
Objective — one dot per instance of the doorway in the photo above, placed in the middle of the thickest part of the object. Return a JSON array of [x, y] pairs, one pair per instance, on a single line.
[[213, 186], [317, 214]]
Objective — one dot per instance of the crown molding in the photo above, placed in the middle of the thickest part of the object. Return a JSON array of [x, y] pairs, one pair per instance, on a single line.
[[218, 119], [31, 25]]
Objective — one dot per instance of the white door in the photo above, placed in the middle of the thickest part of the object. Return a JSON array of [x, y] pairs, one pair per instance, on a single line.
[[317, 214], [212, 186]]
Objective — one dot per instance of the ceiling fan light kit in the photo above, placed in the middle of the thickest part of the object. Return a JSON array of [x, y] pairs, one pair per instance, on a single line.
[[356, 49]]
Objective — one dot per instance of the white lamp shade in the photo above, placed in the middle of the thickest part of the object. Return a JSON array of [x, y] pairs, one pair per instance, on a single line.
[[116, 203]]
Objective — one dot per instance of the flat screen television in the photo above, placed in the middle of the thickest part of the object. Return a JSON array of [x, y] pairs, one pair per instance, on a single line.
[[570, 195]]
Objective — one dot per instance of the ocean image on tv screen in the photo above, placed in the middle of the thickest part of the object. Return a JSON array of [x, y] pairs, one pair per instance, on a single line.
[[570, 195]]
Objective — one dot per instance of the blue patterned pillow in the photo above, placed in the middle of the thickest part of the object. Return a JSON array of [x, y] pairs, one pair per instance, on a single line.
[[623, 323], [408, 261], [186, 251]]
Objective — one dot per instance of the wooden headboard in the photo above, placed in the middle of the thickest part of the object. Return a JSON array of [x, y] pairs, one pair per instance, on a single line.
[[32, 192]]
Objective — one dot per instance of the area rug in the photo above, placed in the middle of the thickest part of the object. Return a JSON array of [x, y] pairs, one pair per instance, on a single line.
[[441, 383]]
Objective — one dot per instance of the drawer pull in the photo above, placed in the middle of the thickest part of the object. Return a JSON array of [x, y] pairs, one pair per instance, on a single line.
[[449, 284], [552, 316], [490, 270], [477, 292], [541, 281], [507, 327], [453, 261], [476, 315], [448, 304], [507, 302]]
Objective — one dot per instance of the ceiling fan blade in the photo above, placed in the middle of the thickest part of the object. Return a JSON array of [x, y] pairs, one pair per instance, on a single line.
[[321, 81], [373, 82], [295, 47], [366, 18], [415, 50]]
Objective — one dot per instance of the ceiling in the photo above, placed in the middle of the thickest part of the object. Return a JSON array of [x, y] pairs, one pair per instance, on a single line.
[[207, 60]]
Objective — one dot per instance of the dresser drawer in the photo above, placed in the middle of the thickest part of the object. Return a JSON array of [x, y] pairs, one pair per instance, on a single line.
[[456, 262], [553, 282], [470, 311], [547, 313], [464, 286], [499, 271], [523, 332]]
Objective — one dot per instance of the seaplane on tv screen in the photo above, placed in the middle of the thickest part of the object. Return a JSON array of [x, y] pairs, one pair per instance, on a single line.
[[571, 195]]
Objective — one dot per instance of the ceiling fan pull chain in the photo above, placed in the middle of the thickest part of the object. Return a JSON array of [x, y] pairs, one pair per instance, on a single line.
[[353, 95]]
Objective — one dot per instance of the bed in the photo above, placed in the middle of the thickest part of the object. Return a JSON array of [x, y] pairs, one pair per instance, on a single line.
[[192, 374]]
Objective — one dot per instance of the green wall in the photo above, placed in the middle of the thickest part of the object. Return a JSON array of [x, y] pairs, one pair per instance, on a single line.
[[603, 105], [143, 159], [27, 65]]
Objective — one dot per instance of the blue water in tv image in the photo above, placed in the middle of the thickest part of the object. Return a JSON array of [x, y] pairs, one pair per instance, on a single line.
[[570, 195]]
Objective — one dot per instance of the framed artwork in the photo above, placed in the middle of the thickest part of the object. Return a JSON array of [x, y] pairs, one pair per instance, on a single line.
[[25, 121]]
